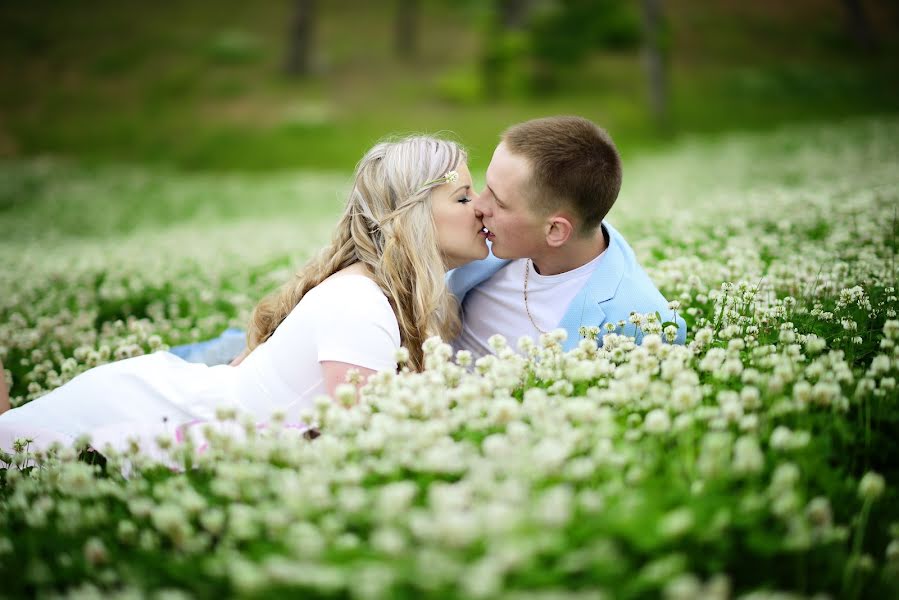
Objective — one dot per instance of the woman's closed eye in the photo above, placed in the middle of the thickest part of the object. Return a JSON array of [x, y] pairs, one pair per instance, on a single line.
[[465, 199]]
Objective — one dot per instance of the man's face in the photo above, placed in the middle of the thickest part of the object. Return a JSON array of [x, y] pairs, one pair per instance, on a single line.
[[514, 230]]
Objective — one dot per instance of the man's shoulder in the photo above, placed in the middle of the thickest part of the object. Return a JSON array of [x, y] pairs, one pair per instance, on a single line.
[[634, 286], [635, 291], [462, 279]]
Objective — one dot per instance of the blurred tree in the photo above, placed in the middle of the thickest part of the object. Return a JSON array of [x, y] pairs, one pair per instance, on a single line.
[[406, 26], [504, 45], [656, 63], [563, 33], [513, 13], [859, 25], [298, 61]]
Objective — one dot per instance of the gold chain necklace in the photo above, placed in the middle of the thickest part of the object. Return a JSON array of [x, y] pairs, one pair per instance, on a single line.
[[527, 270]]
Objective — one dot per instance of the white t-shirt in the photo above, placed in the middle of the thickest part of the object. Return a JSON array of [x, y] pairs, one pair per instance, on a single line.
[[497, 305], [346, 318]]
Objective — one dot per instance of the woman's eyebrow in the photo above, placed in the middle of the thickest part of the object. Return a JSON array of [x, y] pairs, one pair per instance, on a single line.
[[462, 187]]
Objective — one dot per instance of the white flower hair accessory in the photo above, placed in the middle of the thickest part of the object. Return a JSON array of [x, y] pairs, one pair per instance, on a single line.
[[448, 177]]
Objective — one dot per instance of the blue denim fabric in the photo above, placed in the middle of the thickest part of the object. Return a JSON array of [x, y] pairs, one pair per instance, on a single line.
[[218, 351]]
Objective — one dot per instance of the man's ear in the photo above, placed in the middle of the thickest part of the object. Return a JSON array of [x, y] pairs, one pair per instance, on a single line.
[[558, 231]]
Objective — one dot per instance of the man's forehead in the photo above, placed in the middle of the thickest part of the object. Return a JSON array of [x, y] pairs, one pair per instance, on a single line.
[[506, 168]]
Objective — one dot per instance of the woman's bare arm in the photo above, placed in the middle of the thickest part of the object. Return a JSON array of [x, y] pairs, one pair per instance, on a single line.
[[240, 357], [4, 391], [335, 373]]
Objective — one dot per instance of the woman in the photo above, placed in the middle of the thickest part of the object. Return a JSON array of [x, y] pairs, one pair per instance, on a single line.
[[378, 285]]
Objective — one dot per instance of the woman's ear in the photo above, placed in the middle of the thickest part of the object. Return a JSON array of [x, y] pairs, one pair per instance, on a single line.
[[558, 232]]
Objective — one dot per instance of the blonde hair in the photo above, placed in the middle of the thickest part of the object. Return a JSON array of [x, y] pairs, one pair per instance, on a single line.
[[388, 226]]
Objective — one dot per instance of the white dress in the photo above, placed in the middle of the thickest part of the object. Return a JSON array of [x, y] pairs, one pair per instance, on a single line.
[[346, 318]]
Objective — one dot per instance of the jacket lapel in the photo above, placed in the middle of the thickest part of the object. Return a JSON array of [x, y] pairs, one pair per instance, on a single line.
[[586, 307], [462, 280]]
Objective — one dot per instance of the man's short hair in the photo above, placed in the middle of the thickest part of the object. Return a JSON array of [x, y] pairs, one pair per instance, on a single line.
[[574, 164]]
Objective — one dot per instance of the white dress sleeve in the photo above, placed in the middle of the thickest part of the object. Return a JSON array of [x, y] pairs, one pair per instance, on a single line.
[[356, 324]]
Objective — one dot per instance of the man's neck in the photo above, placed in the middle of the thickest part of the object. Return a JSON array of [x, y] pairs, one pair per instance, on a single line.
[[574, 254]]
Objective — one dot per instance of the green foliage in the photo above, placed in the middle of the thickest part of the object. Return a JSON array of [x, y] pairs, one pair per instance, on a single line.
[[563, 33], [553, 43], [233, 47], [200, 86]]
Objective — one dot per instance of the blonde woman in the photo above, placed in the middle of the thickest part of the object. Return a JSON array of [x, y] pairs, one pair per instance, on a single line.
[[377, 286]]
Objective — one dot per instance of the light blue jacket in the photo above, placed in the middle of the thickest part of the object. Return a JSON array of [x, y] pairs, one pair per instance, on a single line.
[[618, 286]]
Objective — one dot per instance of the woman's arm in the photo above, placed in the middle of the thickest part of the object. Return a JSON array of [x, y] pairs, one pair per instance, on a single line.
[[4, 391], [240, 357], [335, 373]]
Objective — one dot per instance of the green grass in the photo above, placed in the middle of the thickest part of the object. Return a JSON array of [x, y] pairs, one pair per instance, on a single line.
[[199, 87]]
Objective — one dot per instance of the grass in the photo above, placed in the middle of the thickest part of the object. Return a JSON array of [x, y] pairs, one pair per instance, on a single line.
[[195, 88]]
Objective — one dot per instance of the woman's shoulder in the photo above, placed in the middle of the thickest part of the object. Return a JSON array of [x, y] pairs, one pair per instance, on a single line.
[[351, 292], [351, 303], [347, 285]]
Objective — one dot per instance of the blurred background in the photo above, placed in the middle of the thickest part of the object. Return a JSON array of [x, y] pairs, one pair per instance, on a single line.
[[286, 84]]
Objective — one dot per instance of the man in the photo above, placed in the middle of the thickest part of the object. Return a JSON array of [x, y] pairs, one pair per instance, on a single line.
[[555, 264]]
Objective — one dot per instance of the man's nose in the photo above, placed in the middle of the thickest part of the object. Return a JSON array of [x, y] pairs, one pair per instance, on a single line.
[[481, 205]]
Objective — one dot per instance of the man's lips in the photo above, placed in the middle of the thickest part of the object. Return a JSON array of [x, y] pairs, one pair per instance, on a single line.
[[487, 233]]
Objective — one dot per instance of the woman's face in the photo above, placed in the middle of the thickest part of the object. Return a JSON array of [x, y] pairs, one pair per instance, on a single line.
[[460, 234]]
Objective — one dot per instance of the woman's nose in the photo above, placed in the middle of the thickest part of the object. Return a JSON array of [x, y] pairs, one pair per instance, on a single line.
[[479, 204]]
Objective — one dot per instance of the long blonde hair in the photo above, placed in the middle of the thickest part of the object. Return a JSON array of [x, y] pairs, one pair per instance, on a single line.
[[387, 226]]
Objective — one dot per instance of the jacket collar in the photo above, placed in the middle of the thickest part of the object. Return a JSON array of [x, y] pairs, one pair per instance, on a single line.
[[604, 282]]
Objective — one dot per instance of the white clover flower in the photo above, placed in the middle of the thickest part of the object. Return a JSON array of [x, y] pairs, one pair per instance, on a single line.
[[879, 365], [892, 552], [504, 410], [819, 512], [785, 477], [676, 523], [891, 329], [554, 507], [401, 356], [748, 457], [781, 438], [95, 552], [657, 421], [464, 358], [496, 342], [345, 394], [653, 342], [871, 486]]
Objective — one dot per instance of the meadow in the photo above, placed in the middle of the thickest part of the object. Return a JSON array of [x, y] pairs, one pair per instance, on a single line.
[[201, 87], [760, 460]]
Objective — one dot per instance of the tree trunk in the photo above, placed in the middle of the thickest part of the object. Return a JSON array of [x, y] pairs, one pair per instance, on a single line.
[[656, 67], [298, 61], [513, 13], [859, 26], [406, 29]]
